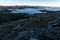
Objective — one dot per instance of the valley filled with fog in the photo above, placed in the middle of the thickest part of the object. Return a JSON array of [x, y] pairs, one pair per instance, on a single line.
[[34, 10]]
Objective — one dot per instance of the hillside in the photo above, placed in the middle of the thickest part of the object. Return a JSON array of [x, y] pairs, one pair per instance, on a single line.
[[30, 26]]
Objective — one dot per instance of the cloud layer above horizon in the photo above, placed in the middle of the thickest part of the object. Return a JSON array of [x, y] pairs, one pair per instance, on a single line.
[[30, 2]]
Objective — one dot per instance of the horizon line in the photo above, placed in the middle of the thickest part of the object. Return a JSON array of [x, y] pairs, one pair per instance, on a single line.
[[31, 5]]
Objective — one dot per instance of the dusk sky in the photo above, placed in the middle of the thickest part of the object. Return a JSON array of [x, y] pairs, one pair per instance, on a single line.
[[55, 3]]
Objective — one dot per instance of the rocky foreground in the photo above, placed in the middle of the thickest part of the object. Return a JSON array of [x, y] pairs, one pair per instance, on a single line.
[[30, 27]]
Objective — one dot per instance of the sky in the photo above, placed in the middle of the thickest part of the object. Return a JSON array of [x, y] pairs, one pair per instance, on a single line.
[[53, 3]]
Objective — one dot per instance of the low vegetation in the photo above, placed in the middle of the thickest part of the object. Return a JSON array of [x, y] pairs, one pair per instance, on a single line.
[[22, 24]]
